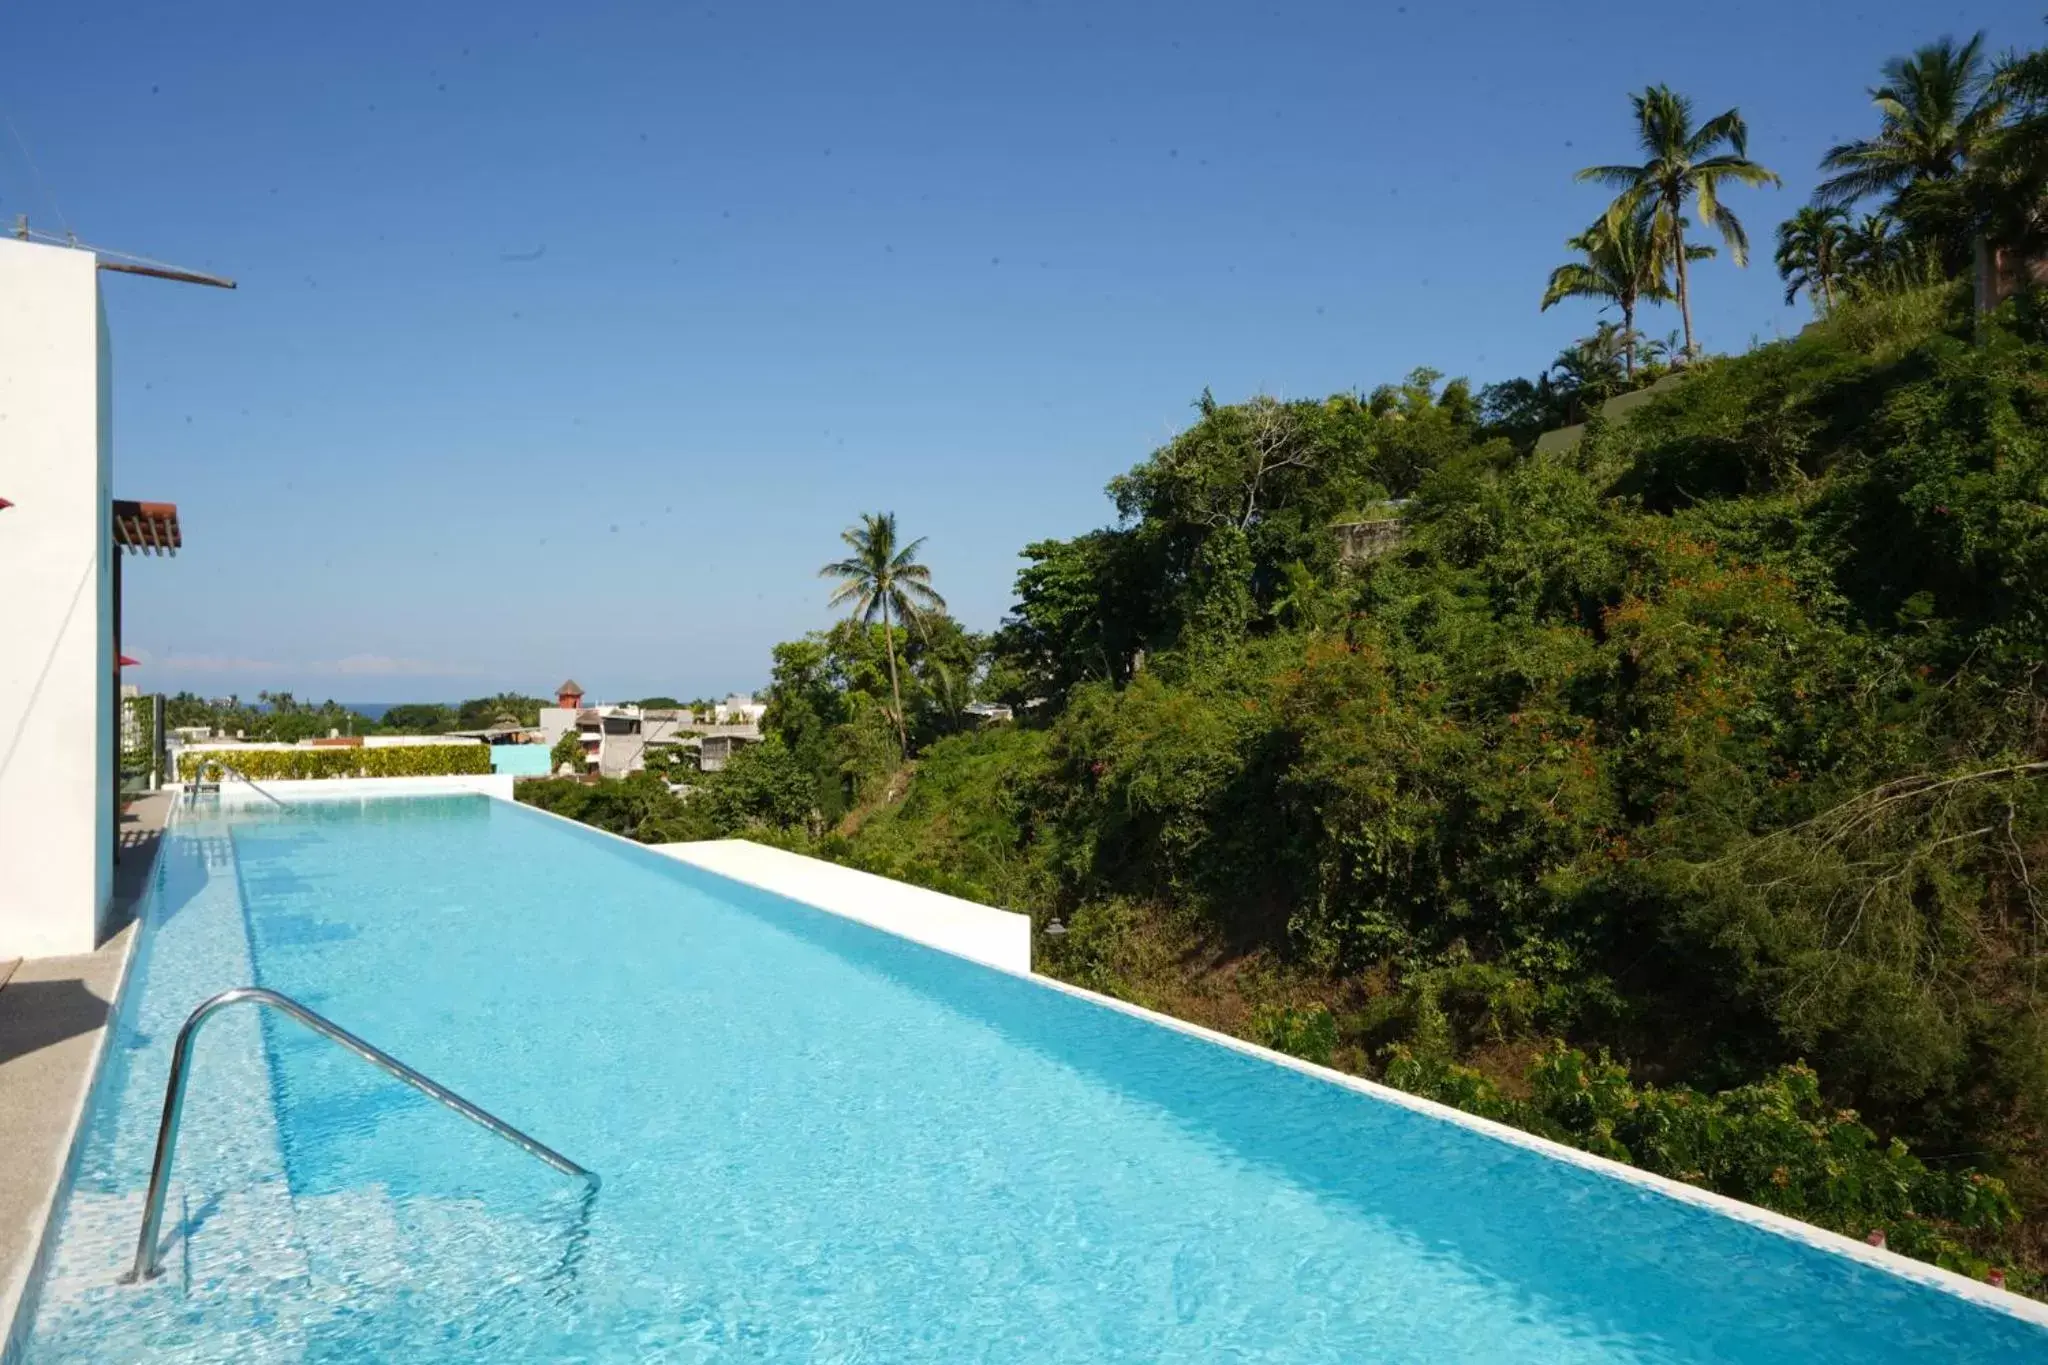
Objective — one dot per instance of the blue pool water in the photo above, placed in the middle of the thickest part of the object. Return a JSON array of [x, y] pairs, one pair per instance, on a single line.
[[818, 1142]]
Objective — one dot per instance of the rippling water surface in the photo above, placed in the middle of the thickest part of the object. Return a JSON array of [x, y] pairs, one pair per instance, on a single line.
[[817, 1143]]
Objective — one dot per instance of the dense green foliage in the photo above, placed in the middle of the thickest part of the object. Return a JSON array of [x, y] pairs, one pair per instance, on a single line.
[[638, 807], [275, 717], [1954, 168], [419, 718], [763, 793], [1715, 744], [282, 718], [398, 760], [1776, 1141], [1940, 111]]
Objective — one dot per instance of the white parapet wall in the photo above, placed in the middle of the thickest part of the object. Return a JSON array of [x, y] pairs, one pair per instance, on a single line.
[[56, 604], [289, 790], [982, 933], [225, 747]]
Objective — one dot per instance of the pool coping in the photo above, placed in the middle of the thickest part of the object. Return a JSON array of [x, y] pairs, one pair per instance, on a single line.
[[1818, 1238], [1769, 1220], [980, 933], [18, 1293]]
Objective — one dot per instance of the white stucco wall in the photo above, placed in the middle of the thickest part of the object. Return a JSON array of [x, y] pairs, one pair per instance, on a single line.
[[56, 603], [556, 721], [226, 746], [291, 790], [995, 938]]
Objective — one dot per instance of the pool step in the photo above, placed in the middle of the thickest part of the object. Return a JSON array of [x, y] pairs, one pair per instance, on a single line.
[[233, 1259], [371, 1241], [261, 1275], [486, 1269]]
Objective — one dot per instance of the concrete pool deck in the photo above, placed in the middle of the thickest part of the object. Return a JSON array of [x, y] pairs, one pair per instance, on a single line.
[[53, 1019]]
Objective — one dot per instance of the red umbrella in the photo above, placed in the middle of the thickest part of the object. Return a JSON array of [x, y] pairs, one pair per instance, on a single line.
[[127, 662]]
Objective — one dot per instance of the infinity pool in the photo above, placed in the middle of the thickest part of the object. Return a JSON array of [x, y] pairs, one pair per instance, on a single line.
[[818, 1142]]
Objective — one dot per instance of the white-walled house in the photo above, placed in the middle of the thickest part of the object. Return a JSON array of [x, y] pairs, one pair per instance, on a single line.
[[620, 739], [739, 709], [62, 536]]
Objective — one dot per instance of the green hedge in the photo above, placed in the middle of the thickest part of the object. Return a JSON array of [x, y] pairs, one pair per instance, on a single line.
[[401, 760]]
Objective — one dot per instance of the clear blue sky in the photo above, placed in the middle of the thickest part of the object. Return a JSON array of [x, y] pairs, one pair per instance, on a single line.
[[569, 337]]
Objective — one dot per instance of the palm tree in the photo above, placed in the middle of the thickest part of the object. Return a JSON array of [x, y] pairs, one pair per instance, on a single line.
[[1659, 350], [1626, 263], [1937, 109], [1683, 165], [1295, 597], [1812, 253], [1876, 256], [2012, 166], [950, 693], [879, 579], [1589, 371]]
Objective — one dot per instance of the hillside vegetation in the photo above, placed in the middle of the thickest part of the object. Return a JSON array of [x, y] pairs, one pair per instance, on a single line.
[[1675, 796], [1682, 795]]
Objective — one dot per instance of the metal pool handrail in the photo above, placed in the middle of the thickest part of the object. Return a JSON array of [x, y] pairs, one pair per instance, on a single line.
[[146, 1266], [199, 779]]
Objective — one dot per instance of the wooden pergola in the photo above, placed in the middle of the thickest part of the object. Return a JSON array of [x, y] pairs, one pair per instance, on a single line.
[[147, 528], [140, 528]]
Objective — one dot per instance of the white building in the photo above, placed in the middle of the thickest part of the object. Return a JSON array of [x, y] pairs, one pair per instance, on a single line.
[[623, 738], [739, 709], [62, 536]]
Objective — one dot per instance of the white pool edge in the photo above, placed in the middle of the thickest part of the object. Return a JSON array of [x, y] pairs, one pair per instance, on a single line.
[[980, 933], [1820, 1239]]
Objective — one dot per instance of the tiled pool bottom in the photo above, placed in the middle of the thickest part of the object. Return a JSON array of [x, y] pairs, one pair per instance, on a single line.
[[818, 1143]]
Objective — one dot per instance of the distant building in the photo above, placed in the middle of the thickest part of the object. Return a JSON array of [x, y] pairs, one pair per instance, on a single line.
[[720, 747], [1612, 411], [739, 709], [503, 734], [625, 738], [1359, 542]]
